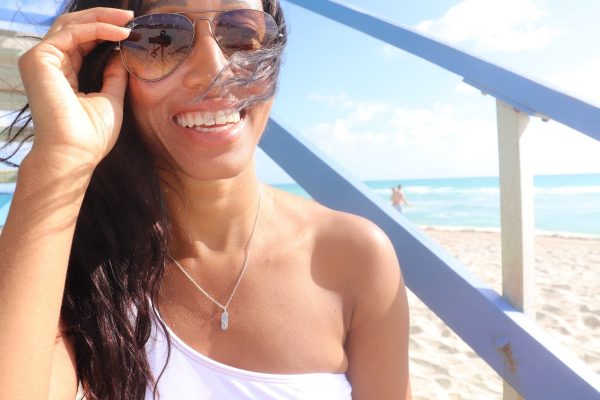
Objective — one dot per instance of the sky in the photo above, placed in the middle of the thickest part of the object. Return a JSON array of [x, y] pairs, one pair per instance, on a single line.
[[382, 113]]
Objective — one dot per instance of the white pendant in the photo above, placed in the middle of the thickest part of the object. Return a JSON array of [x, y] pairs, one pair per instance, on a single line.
[[224, 320]]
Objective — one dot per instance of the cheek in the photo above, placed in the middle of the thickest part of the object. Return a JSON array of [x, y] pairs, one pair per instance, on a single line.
[[142, 96], [260, 116], [145, 101], [263, 110]]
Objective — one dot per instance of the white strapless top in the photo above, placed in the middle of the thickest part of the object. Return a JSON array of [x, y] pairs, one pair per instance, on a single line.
[[192, 375]]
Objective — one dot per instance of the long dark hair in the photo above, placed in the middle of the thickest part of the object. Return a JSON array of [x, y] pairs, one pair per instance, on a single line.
[[118, 256]]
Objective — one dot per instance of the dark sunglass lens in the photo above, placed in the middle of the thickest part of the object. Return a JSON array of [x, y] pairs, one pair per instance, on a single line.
[[244, 30], [156, 45]]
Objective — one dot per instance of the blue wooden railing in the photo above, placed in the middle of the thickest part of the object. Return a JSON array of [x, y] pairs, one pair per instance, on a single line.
[[513, 345], [27, 22]]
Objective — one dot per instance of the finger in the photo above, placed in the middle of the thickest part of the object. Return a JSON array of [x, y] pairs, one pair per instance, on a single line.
[[115, 79], [115, 16], [69, 38]]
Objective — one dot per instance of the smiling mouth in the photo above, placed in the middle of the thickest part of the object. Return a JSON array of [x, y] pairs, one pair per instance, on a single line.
[[210, 121]]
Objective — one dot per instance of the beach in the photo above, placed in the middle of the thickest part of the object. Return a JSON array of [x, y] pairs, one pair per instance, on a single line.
[[568, 308]]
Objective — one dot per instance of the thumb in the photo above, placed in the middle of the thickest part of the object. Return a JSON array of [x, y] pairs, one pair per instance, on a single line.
[[115, 79]]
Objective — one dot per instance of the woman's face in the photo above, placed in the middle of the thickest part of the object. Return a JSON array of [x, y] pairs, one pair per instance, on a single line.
[[197, 132]]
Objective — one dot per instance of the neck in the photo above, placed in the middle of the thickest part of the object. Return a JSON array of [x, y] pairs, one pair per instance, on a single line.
[[211, 215]]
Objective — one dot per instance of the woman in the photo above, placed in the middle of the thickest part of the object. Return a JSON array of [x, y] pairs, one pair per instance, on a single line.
[[142, 257]]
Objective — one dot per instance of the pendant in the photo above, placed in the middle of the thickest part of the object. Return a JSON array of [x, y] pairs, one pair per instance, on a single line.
[[224, 320]]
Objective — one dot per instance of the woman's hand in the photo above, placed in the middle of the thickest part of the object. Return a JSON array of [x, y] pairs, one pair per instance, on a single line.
[[72, 127]]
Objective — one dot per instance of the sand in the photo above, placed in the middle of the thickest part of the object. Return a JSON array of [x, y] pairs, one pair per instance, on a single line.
[[568, 309]]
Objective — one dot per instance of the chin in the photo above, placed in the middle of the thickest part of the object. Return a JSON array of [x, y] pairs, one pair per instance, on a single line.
[[225, 166]]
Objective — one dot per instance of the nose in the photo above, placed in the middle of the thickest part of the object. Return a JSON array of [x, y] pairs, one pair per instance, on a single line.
[[206, 59]]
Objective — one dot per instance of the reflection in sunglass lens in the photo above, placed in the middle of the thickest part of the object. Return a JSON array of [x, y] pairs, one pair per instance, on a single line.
[[244, 30], [156, 45]]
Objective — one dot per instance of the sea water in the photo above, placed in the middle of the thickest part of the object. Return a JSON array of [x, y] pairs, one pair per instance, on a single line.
[[564, 204], [6, 190]]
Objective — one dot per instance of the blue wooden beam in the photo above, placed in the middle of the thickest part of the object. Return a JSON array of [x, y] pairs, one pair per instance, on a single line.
[[27, 18], [520, 92], [508, 341]]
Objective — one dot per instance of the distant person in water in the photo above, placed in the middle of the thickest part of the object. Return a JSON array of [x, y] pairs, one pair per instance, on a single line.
[[398, 199]]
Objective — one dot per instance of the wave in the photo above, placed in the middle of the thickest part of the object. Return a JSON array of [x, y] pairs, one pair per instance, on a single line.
[[447, 190], [492, 191], [464, 228], [566, 190]]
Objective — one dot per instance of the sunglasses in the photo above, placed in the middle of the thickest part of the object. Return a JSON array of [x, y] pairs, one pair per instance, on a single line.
[[158, 43]]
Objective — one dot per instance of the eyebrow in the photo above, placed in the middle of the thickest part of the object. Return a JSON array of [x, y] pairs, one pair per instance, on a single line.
[[151, 4]]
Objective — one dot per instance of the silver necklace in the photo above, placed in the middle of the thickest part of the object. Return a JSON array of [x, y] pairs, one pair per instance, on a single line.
[[225, 313]]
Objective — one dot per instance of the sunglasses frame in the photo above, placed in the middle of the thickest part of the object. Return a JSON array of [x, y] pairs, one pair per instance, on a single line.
[[131, 25]]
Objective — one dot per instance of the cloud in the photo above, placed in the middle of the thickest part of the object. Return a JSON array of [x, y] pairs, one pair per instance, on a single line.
[[332, 100], [492, 25], [391, 53], [581, 80], [380, 140], [561, 150], [465, 89], [386, 140]]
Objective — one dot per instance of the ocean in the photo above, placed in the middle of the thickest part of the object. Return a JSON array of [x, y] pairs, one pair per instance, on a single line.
[[566, 205]]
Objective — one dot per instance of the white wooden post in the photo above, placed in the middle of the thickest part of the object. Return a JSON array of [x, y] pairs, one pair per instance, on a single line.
[[11, 89], [517, 218]]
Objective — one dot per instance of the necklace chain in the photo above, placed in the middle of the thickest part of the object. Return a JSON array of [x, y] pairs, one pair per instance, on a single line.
[[225, 314]]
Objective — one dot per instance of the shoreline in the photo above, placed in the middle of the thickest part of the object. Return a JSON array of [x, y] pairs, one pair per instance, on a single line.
[[538, 232]]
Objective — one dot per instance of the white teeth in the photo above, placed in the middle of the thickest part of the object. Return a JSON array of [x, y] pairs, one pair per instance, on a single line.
[[220, 118], [207, 118]]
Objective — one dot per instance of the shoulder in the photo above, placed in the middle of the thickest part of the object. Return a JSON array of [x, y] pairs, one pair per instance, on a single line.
[[342, 233], [354, 258], [352, 249]]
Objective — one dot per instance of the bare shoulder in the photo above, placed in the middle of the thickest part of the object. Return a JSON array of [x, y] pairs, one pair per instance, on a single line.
[[353, 257], [356, 249], [365, 256], [351, 232]]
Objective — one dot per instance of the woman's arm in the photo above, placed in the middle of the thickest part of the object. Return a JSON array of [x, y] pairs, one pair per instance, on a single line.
[[377, 343], [73, 132], [34, 251]]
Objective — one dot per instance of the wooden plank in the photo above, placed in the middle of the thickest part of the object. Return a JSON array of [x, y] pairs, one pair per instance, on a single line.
[[11, 101], [516, 205], [9, 176], [11, 87], [517, 218]]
